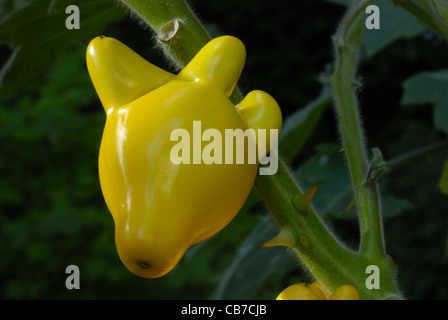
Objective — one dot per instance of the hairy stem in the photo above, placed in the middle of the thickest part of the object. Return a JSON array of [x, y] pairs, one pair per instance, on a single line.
[[329, 261], [167, 19], [179, 32], [300, 226], [343, 84]]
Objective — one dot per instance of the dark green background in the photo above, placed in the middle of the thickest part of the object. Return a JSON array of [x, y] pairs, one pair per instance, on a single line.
[[52, 213]]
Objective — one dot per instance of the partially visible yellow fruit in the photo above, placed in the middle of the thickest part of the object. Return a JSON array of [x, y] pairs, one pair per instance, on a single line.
[[302, 291], [345, 292]]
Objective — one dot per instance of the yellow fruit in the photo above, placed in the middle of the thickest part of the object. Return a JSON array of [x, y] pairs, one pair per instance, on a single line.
[[345, 292], [302, 291], [162, 207]]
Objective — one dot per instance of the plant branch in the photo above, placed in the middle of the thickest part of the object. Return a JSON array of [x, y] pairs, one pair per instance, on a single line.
[[179, 32], [300, 226], [416, 154], [343, 83], [167, 19]]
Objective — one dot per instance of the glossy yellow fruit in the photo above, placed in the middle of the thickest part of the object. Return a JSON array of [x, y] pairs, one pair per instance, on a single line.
[[161, 208], [345, 292], [302, 291]]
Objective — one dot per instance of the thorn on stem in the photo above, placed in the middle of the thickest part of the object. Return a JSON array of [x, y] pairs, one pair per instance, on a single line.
[[302, 201]]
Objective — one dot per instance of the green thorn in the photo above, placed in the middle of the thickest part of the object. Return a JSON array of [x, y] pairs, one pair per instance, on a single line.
[[284, 238], [302, 201], [350, 205]]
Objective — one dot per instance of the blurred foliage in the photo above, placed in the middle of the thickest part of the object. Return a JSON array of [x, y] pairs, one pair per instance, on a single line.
[[430, 88], [443, 183], [35, 48], [52, 213]]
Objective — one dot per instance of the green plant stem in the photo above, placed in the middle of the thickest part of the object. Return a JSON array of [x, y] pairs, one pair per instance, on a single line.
[[168, 20], [329, 260], [179, 32], [343, 84]]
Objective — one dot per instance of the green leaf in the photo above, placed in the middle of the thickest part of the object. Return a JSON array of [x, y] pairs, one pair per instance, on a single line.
[[443, 182], [299, 126], [395, 23], [441, 9], [327, 168], [250, 268], [335, 193], [431, 88], [38, 34], [392, 205]]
